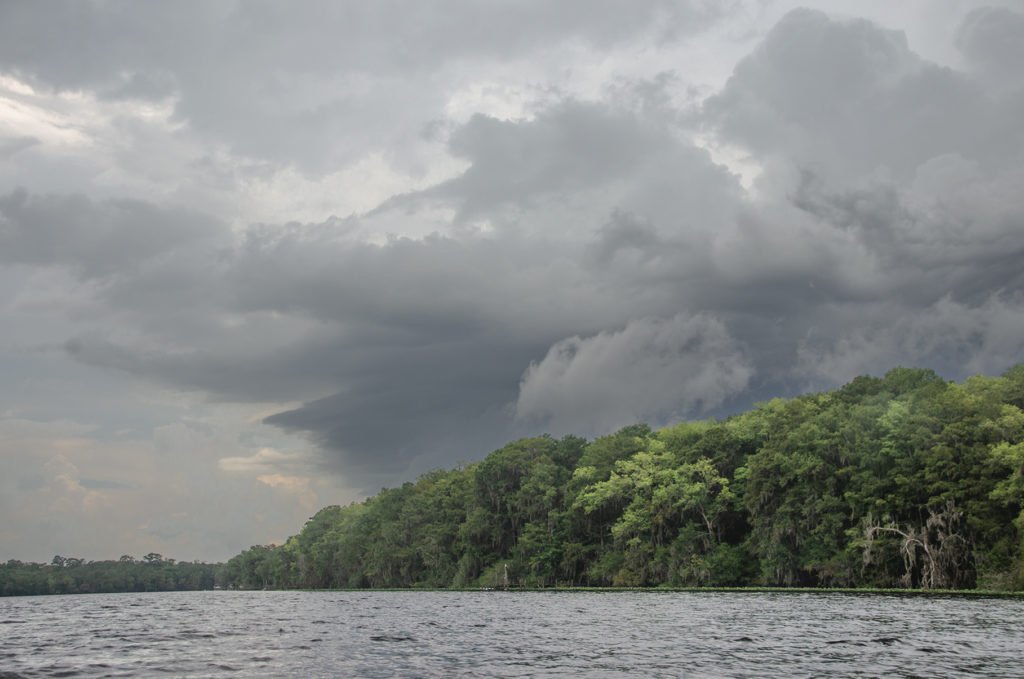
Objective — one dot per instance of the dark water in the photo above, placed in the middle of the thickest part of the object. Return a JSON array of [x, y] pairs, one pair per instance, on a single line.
[[486, 634]]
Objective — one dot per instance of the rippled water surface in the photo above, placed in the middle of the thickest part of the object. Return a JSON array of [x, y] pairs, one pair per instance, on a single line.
[[385, 634]]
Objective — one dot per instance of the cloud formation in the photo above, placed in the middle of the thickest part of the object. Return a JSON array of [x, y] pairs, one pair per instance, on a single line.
[[658, 369], [396, 240], [286, 84]]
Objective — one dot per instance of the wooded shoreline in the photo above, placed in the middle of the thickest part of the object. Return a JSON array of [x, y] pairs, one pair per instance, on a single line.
[[886, 485], [902, 482]]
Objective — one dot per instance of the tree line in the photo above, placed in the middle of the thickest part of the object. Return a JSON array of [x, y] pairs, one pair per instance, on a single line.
[[71, 575], [906, 481], [902, 481]]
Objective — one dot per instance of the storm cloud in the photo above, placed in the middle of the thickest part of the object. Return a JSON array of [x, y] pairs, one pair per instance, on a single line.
[[349, 244], [652, 369]]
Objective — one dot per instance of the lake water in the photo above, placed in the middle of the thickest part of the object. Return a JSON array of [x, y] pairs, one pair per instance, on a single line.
[[509, 634]]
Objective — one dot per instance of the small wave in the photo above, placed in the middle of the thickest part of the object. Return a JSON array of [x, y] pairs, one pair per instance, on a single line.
[[391, 637], [888, 641]]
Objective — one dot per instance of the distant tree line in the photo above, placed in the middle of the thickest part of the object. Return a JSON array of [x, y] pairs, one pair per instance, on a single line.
[[69, 575], [902, 481]]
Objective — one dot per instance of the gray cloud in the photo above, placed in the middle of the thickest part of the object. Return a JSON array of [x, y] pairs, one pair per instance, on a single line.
[[626, 236], [992, 39], [985, 339], [652, 369], [448, 400], [847, 97], [375, 37], [289, 83], [8, 147], [94, 240], [571, 147]]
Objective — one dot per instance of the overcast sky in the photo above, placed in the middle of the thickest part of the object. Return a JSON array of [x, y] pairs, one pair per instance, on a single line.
[[261, 257]]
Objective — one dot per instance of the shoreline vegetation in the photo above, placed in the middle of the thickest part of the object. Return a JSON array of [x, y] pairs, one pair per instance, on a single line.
[[903, 484]]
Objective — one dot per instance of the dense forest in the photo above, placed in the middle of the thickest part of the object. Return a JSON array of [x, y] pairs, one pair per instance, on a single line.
[[153, 573], [902, 481]]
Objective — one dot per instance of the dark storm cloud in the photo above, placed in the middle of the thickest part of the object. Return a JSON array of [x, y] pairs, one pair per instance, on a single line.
[[600, 268], [953, 229], [449, 398], [904, 171], [435, 332], [426, 340], [663, 369]]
